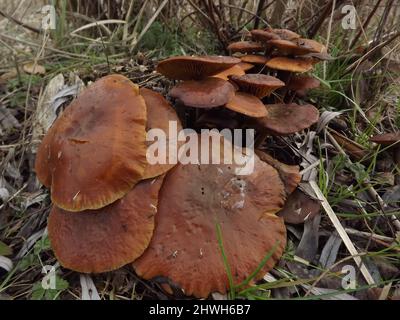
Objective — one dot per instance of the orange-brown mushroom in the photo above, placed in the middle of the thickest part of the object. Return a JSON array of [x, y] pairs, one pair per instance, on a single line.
[[263, 35], [254, 59], [301, 84], [197, 67], [284, 34], [287, 47], [159, 115], [289, 64], [309, 45], [95, 152], [236, 70], [105, 239], [207, 93], [185, 245], [285, 119], [245, 47], [258, 84], [247, 104], [245, 66], [299, 207]]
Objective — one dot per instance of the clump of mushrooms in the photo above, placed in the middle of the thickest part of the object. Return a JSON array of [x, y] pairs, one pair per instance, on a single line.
[[112, 208]]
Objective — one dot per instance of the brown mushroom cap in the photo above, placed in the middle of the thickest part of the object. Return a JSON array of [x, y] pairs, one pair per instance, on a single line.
[[285, 119], [245, 66], [247, 104], [288, 64], [236, 70], [198, 67], [263, 35], [386, 138], [207, 93], [159, 115], [284, 34], [254, 59], [310, 45], [287, 47], [105, 239], [245, 47], [290, 175], [185, 246], [299, 208], [95, 152], [303, 83], [258, 84]]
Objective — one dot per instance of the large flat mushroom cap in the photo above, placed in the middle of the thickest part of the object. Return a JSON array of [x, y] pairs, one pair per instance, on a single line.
[[288, 64], [185, 246], [95, 152], [247, 104], [258, 84], [197, 67], [207, 93], [159, 116], [245, 47], [386, 138], [285, 119], [106, 239]]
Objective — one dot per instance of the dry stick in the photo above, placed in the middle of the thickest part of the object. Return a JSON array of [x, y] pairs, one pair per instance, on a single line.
[[365, 24], [370, 189], [342, 232], [328, 38], [315, 27], [258, 13]]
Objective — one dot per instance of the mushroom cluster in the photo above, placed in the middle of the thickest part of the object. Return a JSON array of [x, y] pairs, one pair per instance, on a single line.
[[111, 207]]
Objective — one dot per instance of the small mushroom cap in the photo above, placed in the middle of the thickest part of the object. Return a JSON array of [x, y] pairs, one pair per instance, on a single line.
[[258, 84], [303, 83], [236, 70], [254, 59], [288, 64], [245, 47], [247, 104], [263, 35], [95, 152], [285, 119], [245, 66], [299, 207], [185, 248], [207, 93], [105, 239], [159, 115], [290, 175], [386, 138], [284, 34], [191, 68], [310, 45], [287, 47]]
